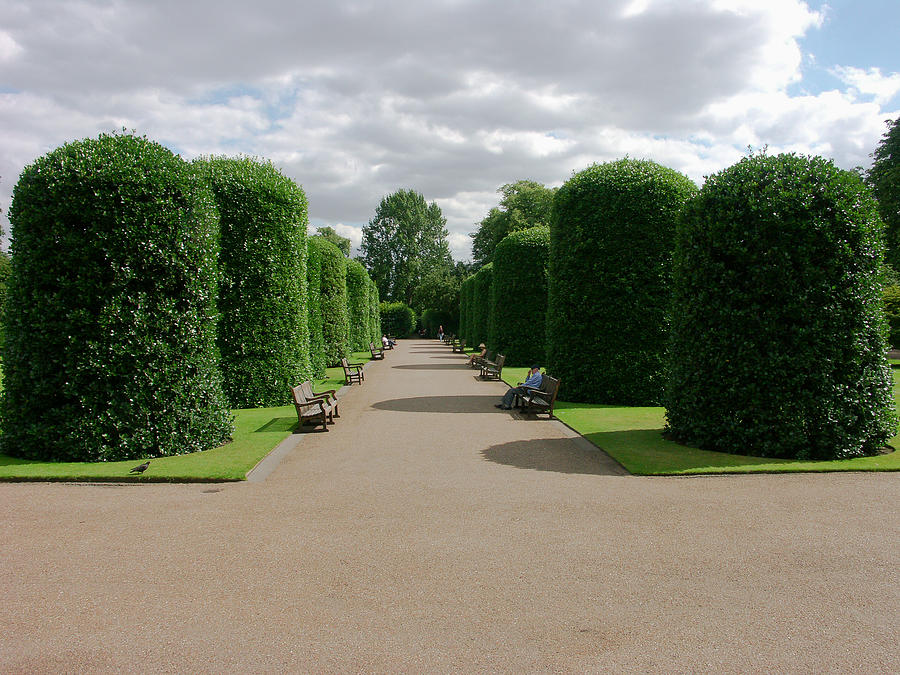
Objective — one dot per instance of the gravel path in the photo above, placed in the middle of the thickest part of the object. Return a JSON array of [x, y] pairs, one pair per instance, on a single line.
[[431, 532]]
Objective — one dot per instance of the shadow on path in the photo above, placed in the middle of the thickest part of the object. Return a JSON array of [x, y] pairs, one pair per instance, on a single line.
[[442, 404], [560, 455], [431, 366]]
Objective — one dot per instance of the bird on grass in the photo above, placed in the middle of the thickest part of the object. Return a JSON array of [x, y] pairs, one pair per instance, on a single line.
[[141, 468]]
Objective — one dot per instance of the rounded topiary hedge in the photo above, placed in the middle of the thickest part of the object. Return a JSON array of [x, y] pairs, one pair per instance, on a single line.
[[463, 310], [317, 359], [263, 330], [519, 296], [397, 319], [333, 279], [610, 260], [374, 312], [482, 305], [358, 305], [777, 341], [110, 316]]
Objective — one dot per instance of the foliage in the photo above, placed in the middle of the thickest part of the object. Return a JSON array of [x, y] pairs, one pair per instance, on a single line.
[[5, 273], [397, 319], [465, 302], [358, 305], [438, 289], [891, 296], [405, 239], [341, 242], [263, 330], [110, 314], [432, 319], [884, 177], [777, 342], [335, 321], [519, 296], [374, 312], [482, 305], [524, 204], [317, 359], [610, 261]]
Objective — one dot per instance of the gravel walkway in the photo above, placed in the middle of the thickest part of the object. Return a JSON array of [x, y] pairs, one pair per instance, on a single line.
[[431, 532]]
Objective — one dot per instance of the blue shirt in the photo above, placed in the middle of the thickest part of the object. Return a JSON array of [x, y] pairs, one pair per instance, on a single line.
[[534, 380]]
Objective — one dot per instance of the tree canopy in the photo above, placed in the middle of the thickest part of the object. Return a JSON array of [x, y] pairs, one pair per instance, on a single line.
[[884, 177], [524, 204], [328, 233], [406, 239]]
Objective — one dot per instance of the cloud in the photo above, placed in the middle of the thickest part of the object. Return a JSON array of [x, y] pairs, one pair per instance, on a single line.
[[355, 99]]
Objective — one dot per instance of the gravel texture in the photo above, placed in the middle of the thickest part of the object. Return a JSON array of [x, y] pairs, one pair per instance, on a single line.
[[430, 532]]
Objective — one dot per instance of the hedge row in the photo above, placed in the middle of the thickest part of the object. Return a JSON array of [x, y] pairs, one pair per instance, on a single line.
[[148, 296], [397, 319]]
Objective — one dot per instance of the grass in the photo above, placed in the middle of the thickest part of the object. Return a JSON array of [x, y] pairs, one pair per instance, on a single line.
[[633, 437], [256, 432]]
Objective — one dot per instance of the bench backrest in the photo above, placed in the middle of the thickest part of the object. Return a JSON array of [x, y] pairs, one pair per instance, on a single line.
[[501, 359]]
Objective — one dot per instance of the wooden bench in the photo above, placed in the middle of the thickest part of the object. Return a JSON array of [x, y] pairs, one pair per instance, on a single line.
[[376, 353], [460, 347], [492, 371], [329, 396], [543, 399], [353, 372], [316, 411], [479, 361], [390, 341]]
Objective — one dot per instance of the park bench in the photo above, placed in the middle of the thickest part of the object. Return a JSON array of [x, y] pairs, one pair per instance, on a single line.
[[353, 372], [376, 353], [316, 411], [541, 400], [329, 396], [492, 370], [478, 361], [390, 342], [459, 347]]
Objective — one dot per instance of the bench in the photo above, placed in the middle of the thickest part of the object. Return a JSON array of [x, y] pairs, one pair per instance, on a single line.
[[390, 341], [478, 361], [492, 371], [353, 372], [376, 353], [329, 396], [541, 400], [460, 347], [316, 411]]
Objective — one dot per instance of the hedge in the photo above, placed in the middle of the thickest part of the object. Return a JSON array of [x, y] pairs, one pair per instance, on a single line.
[[374, 312], [481, 305], [891, 295], [358, 305], [777, 344], [397, 319], [611, 247], [317, 358], [432, 319], [335, 322], [519, 296], [110, 315], [263, 330]]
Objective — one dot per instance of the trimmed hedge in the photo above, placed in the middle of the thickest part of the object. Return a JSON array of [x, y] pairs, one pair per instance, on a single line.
[[891, 296], [777, 343], [432, 319], [397, 318], [374, 313], [611, 247], [335, 322], [263, 330], [482, 305], [519, 296], [317, 358], [110, 316], [463, 308], [472, 313], [358, 305]]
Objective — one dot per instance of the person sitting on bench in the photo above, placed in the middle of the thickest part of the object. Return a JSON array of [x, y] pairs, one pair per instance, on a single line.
[[533, 381], [475, 356]]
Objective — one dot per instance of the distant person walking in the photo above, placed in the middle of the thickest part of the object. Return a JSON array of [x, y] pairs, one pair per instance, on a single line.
[[441, 332]]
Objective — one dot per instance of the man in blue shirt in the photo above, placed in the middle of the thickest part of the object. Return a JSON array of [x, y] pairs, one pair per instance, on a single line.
[[533, 381]]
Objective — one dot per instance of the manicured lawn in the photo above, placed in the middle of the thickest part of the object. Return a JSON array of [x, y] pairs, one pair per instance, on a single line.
[[257, 431], [633, 437]]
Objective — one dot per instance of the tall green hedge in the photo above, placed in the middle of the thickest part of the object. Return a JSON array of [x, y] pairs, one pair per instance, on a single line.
[[397, 318], [519, 296], [472, 313], [482, 305], [263, 331], [374, 312], [432, 319], [317, 358], [891, 296], [358, 305], [333, 279], [110, 316], [777, 342], [463, 308], [610, 269]]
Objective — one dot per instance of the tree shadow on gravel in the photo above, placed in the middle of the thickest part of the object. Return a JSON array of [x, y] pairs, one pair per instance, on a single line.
[[442, 404], [560, 455], [432, 366]]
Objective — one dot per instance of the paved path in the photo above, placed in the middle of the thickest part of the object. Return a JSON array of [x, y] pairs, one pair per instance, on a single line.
[[430, 532]]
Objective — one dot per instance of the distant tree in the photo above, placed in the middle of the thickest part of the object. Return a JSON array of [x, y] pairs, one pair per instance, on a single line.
[[343, 243], [438, 290], [884, 177], [524, 204], [406, 239]]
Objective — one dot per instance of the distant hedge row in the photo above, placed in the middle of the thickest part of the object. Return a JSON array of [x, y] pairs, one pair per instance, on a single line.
[[148, 296], [751, 308]]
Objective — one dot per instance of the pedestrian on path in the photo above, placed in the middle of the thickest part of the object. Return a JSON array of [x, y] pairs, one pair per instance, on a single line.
[[533, 381]]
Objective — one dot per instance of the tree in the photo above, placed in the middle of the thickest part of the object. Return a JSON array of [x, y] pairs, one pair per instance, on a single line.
[[884, 177], [342, 243], [524, 204], [405, 239]]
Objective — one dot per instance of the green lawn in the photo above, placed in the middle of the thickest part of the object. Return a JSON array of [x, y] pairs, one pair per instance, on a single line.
[[257, 431], [633, 437]]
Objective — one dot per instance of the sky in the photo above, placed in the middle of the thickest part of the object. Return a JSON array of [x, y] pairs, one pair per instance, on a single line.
[[355, 99]]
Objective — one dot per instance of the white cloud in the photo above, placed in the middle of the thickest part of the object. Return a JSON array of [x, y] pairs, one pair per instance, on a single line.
[[869, 82]]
